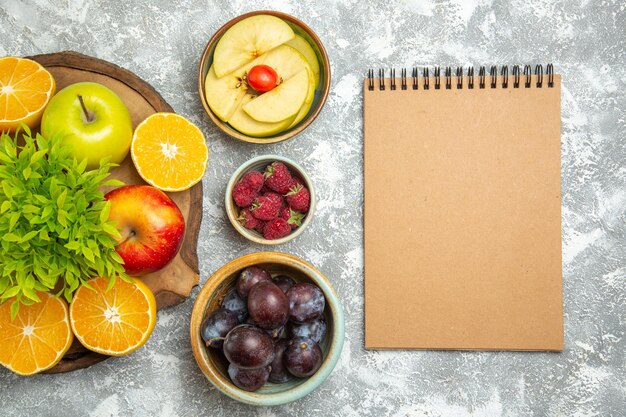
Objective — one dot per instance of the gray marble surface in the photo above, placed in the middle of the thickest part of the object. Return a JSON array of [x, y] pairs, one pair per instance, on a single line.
[[161, 41]]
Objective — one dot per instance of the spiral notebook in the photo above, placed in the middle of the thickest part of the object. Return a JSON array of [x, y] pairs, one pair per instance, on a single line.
[[463, 209]]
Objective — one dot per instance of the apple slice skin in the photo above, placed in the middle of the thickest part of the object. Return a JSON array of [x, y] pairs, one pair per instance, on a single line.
[[248, 126], [304, 47], [247, 40], [308, 102], [282, 102]]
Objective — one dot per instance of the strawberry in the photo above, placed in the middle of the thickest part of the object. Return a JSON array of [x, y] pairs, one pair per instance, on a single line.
[[247, 189], [278, 178], [265, 208], [253, 179], [298, 198], [260, 226], [297, 180], [276, 198], [247, 220], [275, 229], [294, 218]]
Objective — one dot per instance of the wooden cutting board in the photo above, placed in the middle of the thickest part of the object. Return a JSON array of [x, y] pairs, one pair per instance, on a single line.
[[172, 284]]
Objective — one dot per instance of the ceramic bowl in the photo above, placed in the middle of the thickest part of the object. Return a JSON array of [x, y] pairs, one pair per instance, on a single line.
[[321, 93], [258, 164], [213, 363]]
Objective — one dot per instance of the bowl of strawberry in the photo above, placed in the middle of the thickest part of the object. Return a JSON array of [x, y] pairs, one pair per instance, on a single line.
[[270, 200]]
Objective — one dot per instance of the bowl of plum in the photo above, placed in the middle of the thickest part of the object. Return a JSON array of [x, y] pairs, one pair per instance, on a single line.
[[267, 328], [270, 200]]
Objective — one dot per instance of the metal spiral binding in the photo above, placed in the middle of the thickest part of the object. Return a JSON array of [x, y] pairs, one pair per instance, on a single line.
[[403, 78], [481, 75], [494, 74]]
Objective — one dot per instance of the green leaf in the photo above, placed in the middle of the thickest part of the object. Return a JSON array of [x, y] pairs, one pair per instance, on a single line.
[[10, 292], [28, 236], [30, 293], [111, 230], [88, 253], [6, 205], [61, 199], [75, 245], [15, 216], [113, 183], [15, 308], [11, 237], [26, 173], [104, 214]]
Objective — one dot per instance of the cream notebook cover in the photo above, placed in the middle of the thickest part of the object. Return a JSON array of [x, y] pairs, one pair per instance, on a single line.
[[463, 211]]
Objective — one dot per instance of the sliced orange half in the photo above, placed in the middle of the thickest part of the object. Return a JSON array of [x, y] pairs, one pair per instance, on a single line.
[[25, 89], [37, 338], [114, 322], [169, 152]]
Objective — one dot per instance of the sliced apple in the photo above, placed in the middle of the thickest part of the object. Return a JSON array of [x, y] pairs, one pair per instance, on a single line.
[[282, 102], [241, 121], [304, 47], [308, 101], [286, 61], [247, 40], [224, 94]]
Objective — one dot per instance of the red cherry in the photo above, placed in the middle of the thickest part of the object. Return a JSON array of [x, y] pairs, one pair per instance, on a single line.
[[262, 78]]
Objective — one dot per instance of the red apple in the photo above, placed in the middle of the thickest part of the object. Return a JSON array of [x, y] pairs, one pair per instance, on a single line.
[[151, 225]]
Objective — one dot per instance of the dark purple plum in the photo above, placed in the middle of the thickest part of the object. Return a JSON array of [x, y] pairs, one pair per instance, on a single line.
[[279, 373], [306, 302], [248, 379], [216, 326], [248, 347], [303, 357], [250, 276], [315, 330], [233, 302], [283, 282], [267, 305]]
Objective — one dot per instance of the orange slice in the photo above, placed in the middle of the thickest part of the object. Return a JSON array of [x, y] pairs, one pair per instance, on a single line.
[[25, 89], [169, 152], [37, 338], [114, 322]]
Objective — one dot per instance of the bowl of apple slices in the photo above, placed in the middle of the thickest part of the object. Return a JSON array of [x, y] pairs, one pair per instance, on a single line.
[[263, 77]]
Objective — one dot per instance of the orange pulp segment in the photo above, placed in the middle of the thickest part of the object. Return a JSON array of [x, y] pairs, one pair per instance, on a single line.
[[37, 338], [169, 152], [115, 322], [25, 89]]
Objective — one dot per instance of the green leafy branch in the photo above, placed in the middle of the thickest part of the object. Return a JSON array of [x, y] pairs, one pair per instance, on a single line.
[[55, 232]]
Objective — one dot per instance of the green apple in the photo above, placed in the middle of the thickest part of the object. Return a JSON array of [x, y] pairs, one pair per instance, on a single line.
[[241, 121], [92, 119], [301, 45], [282, 102], [247, 40]]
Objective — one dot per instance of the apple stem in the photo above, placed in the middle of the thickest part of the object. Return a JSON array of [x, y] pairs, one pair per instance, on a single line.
[[88, 115]]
